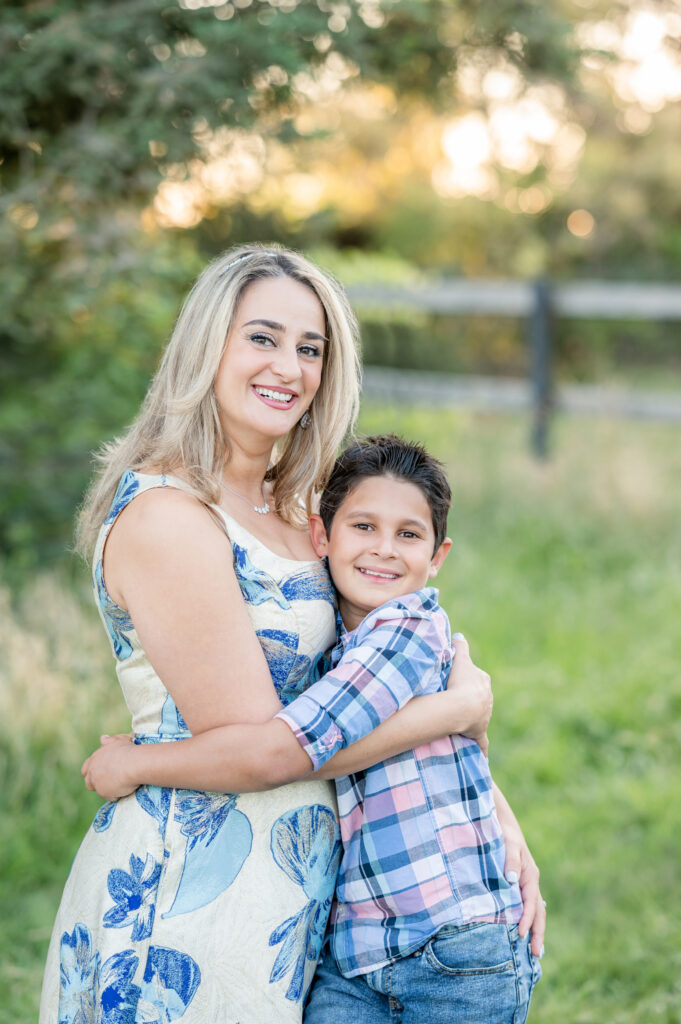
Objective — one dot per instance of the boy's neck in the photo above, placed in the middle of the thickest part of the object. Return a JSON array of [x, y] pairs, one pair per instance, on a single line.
[[350, 615]]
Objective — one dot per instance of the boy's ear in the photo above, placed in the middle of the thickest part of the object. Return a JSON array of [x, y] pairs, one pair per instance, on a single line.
[[318, 535], [439, 557]]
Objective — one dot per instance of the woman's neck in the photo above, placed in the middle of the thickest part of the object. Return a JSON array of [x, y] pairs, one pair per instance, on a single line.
[[245, 470]]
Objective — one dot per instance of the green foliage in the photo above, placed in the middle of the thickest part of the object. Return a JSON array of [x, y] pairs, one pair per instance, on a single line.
[[101, 102], [99, 98], [566, 579], [76, 378]]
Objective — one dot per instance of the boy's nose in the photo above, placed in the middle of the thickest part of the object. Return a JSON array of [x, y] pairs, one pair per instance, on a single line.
[[383, 545]]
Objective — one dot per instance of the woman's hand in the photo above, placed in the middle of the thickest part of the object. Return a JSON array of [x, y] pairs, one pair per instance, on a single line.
[[520, 867], [108, 771], [472, 689]]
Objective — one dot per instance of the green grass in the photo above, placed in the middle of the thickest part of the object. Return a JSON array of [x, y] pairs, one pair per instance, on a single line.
[[566, 579]]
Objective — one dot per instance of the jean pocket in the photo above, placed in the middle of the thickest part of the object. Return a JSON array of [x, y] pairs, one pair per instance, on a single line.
[[471, 949]]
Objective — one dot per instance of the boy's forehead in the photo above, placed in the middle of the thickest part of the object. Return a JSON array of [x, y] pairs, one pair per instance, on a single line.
[[388, 495]]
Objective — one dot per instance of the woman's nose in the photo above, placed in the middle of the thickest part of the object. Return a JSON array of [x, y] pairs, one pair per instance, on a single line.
[[285, 362]]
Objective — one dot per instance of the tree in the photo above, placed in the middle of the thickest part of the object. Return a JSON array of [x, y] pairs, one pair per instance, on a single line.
[[106, 99]]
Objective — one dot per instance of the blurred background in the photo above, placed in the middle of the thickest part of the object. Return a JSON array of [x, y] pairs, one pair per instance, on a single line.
[[497, 184]]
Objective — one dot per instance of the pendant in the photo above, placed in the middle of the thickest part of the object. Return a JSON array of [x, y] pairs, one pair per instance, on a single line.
[[262, 510]]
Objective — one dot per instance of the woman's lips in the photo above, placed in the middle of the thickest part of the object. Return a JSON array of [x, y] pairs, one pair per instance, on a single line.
[[274, 397]]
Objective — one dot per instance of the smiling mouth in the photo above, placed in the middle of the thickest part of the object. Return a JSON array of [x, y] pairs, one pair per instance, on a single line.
[[376, 575], [273, 395]]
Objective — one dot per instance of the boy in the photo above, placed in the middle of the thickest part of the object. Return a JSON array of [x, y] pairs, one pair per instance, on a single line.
[[424, 925]]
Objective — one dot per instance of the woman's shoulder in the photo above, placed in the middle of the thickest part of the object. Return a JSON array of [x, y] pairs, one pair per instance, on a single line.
[[155, 513]]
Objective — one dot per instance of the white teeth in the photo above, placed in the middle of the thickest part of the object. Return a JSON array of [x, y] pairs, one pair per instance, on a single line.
[[276, 396], [382, 575]]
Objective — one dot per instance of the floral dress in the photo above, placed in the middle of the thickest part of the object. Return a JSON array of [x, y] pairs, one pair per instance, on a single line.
[[193, 906]]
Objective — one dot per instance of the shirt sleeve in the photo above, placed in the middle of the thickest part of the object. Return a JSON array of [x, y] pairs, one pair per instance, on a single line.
[[395, 661]]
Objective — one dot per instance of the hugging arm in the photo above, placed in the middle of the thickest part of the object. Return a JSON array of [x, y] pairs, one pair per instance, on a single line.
[[242, 758]]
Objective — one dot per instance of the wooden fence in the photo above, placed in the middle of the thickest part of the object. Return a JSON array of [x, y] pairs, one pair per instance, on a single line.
[[539, 303]]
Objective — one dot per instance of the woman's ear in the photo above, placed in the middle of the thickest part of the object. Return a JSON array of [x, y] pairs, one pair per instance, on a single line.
[[318, 535], [439, 557]]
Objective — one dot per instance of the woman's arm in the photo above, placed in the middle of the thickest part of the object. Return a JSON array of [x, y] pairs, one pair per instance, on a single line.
[[254, 757], [520, 867]]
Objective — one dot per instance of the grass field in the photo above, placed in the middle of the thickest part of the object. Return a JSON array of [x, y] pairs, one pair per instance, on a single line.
[[566, 579]]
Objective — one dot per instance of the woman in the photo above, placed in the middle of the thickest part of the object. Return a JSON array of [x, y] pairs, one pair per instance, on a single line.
[[198, 906]]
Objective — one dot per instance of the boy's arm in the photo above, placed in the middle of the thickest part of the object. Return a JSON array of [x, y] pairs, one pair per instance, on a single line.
[[396, 657], [520, 863], [465, 708]]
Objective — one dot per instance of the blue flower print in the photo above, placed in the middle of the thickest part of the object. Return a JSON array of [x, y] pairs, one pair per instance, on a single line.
[[170, 981], [219, 839], [104, 816], [290, 671], [89, 994], [78, 977], [280, 648], [172, 722], [310, 584], [257, 586], [305, 845], [118, 996], [156, 802], [117, 619], [127, 489], [133, 894]]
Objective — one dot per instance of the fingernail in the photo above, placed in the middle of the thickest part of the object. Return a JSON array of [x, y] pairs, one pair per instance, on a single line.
[[512, 877], [541, 952], [458, 636]]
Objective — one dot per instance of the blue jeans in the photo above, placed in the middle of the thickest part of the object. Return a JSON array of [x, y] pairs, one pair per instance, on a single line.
[[474, 974]]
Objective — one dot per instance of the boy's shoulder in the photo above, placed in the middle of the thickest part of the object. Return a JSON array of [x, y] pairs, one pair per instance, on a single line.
[[421, 609]]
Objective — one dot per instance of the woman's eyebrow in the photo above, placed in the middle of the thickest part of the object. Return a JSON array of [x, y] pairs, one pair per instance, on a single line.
[[274, 326]]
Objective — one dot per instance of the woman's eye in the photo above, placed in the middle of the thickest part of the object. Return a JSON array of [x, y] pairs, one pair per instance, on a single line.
[[310, 350], [262, 339]]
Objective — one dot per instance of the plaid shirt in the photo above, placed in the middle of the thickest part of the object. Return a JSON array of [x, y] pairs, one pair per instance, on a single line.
[[422, 846]]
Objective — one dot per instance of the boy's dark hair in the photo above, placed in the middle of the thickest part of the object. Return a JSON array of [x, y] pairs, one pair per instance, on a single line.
[[388, 455]]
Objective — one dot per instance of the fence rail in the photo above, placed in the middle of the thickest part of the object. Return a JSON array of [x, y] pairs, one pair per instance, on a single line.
[[539, 302], [512, 394], [576, 299]]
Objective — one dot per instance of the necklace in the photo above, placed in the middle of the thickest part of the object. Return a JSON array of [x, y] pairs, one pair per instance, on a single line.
[[262, 510]]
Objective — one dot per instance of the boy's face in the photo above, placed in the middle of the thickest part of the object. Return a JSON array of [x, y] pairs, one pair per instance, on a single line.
[[380, 545]]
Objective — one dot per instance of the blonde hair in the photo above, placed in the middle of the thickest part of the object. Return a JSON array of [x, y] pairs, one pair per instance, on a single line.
[[178, 426]]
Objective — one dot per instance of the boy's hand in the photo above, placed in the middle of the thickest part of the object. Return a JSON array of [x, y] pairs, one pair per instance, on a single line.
[[109, 770], [520, 866], [472, 688]]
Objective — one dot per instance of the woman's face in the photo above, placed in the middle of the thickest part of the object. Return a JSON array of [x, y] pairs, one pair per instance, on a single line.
[[272, 364]]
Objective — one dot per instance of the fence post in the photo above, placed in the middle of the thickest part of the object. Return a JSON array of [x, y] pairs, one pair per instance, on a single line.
[[540, 339]]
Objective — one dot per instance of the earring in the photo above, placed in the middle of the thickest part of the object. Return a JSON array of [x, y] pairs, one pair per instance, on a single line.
[[305, 420]]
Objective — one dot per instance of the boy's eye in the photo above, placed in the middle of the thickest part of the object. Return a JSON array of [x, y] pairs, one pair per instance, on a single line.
[[408, 534], [362, 526]]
